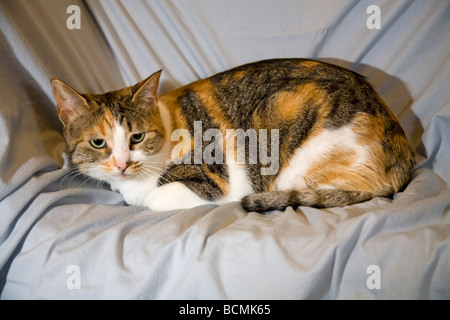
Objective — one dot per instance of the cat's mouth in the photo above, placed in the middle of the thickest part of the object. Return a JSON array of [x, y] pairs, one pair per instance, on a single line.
[[131, 171], [123, 171], [122, 175]]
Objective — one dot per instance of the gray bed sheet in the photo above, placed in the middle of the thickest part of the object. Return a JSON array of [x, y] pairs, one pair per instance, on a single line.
[[63, 236]]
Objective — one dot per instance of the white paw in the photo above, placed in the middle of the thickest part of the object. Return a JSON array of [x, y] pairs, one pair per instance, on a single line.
[[171, 196]]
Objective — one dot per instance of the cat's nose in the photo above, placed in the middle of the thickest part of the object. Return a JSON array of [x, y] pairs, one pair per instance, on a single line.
[[122, 165], [121, 158]]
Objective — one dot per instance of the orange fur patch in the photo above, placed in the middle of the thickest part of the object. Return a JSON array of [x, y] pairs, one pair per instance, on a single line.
[[309, 64], [239, 75], [287, 103], [368, 128], [331, 169], [107, 123], [205, 89]]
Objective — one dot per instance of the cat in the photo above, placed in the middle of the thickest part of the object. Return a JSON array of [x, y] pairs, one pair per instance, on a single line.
[[326, 135]]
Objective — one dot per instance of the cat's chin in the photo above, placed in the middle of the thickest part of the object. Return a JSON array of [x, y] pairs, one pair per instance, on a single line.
[[120, 177]]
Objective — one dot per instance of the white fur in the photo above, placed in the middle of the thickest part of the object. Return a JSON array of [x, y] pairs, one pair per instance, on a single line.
[[171, 196], [120, 151], [135, 191], [239, 181]]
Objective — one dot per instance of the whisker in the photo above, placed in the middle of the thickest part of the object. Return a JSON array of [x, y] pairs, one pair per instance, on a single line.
[[77, 173], [72, 175], [171, 174]]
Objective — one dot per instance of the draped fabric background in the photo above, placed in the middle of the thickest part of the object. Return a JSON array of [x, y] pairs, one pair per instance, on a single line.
[[62, 236]]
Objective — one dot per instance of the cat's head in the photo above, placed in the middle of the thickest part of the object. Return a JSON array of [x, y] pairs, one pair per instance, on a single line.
[[112, 136]]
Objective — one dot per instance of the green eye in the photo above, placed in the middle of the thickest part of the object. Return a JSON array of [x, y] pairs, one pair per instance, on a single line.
[[98, 143], [138, 137]]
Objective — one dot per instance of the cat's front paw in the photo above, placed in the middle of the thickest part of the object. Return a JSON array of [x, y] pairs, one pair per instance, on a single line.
[[172, 196]]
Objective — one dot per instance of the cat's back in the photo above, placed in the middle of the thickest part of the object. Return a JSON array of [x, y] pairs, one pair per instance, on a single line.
[[257, 87], [261, 72]]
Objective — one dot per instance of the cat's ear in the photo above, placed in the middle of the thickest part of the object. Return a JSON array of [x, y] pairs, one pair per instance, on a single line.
[[69, 102], [147, 91]]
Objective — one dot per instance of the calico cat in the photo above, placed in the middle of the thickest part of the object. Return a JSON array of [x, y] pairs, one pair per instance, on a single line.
[[311, 134]]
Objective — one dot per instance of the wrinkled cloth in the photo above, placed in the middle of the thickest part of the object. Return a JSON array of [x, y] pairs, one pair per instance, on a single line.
[[63, 236]]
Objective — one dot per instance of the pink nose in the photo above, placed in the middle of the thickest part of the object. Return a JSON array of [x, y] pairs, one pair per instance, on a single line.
[[122, 165]]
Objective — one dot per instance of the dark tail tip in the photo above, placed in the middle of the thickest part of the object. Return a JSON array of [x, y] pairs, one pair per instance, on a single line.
[[317, 198]]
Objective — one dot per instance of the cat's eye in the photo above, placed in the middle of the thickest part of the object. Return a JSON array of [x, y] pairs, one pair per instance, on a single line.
[[136, 138], [98, 143]]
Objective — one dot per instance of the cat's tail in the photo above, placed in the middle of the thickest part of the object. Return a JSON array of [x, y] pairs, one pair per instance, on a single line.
[[318, 198]]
